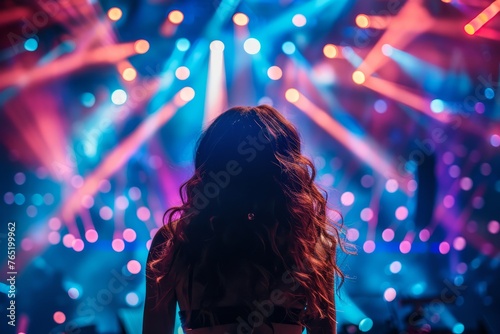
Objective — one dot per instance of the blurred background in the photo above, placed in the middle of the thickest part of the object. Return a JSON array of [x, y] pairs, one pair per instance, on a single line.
[[397, 102]]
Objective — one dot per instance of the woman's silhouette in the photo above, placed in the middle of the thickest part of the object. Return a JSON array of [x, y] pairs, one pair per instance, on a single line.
[[251, 249]]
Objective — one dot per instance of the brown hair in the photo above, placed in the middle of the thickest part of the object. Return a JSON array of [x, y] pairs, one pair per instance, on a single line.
[[252, 199]]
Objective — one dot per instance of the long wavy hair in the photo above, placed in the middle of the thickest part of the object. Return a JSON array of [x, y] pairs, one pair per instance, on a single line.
[[252, 204]]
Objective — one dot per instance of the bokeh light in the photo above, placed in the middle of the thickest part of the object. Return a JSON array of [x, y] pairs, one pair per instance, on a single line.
[[395, 267], [183, 44], [330, 51], [119, 97], [362, 21], [141, 46], [182, 73], [176, 16], [347, 198], [31, 44], [299, 20], [292, 95], [288, 48], [115, 14], [216, 46], [129, 74], [240, 19], [132, 299], [274, 73], [186, 94], [118, 245], [390, 294], [358, 77], [251, 46], [133, 266], [59, 317]]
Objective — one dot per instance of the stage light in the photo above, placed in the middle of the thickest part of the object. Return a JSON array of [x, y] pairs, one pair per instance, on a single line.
[[141, 46], [412, 185], [59, 317], [78, 245], [405, 247], [54, 223], [469, 29], [176, 16], [87, 99], [115, 14], [19, 178], [479, 107], [132, 299], [401, 213], [448, 201], [387, 50], [391, 186], [466, 183], [19, 199], [292, 95], [444, 247], [347, 198], [129, 74], [459, 243], [358, 77], [73, 293], [187, 94], [134, 193], [388, 234], [489, 93], [182, 73], [31, 44], [274, 73], [437, 106], [365, 324], [390, 294], [352, 234], [91, 235], [446, 1], [8, 197], [493, 227], [288, 48], [54, 237], [68, 240], [369, 246], [495, 140], [362, 21], [106, 213], [330, 51], [366, 214], [143, 213], [418, 288], [183, 44], [240, 19], [458, 328], [119, 97], [299, 20], [216, 46], [118, 245], [121, 202], [454, 171], [129, 235], [395, 267], [251, 46], [380, 106], [134, 267]]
